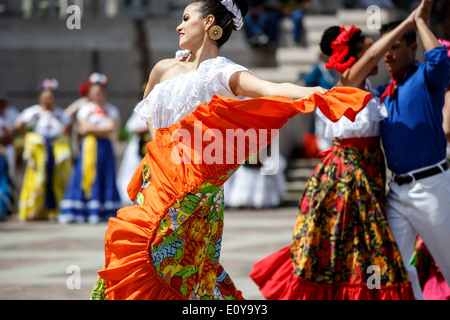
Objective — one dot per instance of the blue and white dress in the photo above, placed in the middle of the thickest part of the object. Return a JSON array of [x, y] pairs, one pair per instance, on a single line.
[[92, 195]]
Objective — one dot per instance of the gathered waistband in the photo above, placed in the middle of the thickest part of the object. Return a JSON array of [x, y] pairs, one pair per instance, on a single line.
[[365, 142]]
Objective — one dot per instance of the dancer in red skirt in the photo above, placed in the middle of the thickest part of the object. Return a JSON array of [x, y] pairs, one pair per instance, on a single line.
[[342, 247]]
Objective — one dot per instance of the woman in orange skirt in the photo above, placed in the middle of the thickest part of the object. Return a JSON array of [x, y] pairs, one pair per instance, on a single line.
[[167, 246]]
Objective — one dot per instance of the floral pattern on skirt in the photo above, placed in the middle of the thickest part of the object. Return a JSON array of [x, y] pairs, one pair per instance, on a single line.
[[341, 228], [185, 250]]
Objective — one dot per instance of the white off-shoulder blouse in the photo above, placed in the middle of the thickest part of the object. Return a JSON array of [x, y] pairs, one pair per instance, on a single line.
[[172, 100], [366, 124], [48, 123]]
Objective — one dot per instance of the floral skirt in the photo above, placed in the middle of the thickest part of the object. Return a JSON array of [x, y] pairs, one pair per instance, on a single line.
[[342, 246], [185, 251]]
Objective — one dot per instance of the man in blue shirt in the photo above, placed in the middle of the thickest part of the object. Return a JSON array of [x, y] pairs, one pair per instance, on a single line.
[[415, 145]]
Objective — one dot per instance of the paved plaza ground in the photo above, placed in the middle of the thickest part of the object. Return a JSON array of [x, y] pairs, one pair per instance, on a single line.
[[39, 259]]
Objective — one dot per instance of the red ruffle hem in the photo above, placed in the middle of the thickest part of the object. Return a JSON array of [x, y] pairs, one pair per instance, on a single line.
[[275, 276]]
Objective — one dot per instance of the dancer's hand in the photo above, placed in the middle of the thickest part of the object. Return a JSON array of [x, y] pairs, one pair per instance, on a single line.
[[423, 11], [318, 90], [336, 141], [412, 18]]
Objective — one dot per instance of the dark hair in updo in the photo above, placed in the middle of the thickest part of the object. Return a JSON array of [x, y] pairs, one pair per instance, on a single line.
[[355, 45], [224, 18]]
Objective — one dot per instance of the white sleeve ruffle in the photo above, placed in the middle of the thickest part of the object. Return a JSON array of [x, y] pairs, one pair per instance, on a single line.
[[366, 124], [171, 100]]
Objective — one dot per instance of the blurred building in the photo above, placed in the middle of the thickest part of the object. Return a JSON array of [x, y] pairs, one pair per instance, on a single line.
[[125, 38], [119, 38]]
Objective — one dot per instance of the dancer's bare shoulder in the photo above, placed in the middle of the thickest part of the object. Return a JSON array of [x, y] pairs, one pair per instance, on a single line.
[[164, 70], [170, 68]]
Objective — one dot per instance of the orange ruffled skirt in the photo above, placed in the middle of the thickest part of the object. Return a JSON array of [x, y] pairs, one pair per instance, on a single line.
[[167, 246]]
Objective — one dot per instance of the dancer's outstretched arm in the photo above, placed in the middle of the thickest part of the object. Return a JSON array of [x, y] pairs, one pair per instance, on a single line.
[[246, 84]]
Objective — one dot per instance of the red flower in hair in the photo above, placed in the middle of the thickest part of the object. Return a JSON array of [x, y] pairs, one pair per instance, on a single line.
[[95, 78], [341, 49], [82, 89]]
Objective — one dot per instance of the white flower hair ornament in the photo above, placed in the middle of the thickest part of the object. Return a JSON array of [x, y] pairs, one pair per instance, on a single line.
[[238, 20], [98, 78], [182, 54], [48, 84]]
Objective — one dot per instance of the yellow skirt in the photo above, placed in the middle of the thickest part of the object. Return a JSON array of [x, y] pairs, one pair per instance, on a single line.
[[33, 193]]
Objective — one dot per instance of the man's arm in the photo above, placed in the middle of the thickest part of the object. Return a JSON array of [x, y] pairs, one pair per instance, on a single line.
[[421, 18]]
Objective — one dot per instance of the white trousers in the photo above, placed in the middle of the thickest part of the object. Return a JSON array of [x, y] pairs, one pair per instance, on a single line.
[[422, 207]]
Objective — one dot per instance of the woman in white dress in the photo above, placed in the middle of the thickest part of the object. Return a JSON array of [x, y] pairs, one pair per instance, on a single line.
[[259, 183]]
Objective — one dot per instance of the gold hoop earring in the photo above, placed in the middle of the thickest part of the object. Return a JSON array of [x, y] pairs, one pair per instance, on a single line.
[[215, 33]]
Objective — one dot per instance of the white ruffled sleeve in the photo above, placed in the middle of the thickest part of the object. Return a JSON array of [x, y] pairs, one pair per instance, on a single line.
[[366, 124], [29, 115], [83, 111], [227, 70]]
